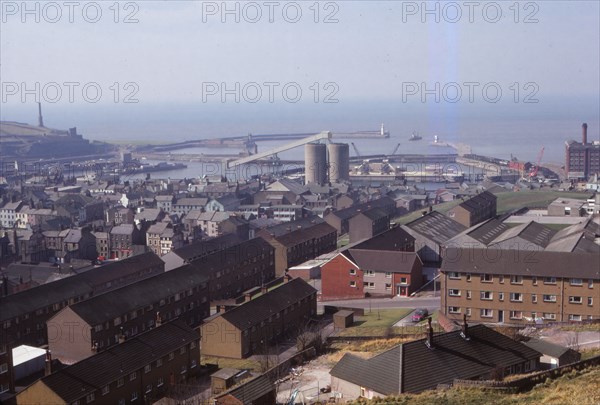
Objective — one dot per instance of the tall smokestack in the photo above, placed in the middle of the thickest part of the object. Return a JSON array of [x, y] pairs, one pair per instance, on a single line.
[[584, 133], [40, 119]]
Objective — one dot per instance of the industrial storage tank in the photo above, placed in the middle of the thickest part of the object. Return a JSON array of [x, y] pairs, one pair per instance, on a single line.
[[339, 162], [315, 163]]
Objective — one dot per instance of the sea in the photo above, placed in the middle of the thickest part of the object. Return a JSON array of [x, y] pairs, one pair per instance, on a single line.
[[503, 130]]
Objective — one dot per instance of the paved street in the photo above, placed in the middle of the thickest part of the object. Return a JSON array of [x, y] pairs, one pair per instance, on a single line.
[[429, 302]]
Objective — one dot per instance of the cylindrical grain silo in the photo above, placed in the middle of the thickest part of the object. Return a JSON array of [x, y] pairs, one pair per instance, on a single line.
[[339, 162], [315, 163]]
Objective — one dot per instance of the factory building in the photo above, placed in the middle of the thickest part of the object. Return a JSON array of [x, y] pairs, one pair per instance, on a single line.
[[582, 159]]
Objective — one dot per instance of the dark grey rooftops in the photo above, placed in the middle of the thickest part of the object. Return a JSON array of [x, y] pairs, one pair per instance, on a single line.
[[479, 200], [95, 372], [525, 263], [81, 284], [287, 227], [383, 260], [262, 307], [548, 348], [436, 226], [204, 247], [414, 367], [108, 306], [251, 390]]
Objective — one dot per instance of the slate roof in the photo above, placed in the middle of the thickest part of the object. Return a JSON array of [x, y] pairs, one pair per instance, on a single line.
[[383, 260], [349, 212], [477, 201], [374, 213], [531, 232], [204, 247], [80, 284], [302, 235], [548, 348], [286, 227], [107, 306], [414, 367], [251, 390], [530, 263], [287, 185], [395, 238], [262, 307], [436, 227], [93, 373], [481, 234]]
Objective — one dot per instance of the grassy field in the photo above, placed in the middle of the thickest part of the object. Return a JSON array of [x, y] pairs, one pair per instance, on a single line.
[[507, 201], [513, 200], [580, 388], [375, 323], [240, 364]]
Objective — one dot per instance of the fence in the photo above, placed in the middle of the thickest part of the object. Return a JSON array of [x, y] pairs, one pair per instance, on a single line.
[[528, 382]]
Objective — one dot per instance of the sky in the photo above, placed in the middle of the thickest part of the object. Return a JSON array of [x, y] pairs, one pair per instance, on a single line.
[[132, 57]]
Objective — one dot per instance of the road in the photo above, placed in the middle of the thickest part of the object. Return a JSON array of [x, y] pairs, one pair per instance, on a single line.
[[429, 302]]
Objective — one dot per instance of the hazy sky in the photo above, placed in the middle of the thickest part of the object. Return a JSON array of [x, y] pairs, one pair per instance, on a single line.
[[372, 49]]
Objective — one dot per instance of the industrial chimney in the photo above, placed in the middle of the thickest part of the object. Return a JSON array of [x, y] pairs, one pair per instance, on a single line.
[[40, 119], [584, 133]]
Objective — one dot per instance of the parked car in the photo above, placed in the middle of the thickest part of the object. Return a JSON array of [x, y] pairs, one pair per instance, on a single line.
[[420, 314]]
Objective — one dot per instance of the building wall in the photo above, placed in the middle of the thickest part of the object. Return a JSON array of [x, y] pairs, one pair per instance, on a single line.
[[150, 385], [336, 280], [363, 227], [532, 292], [77, 343], [221, 338]]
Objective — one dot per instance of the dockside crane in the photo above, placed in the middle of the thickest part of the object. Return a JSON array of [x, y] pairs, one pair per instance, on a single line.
[[536, 168], [396, 149], [355, 149]]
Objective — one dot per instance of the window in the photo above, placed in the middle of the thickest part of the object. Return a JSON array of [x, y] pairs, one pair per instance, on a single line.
[[590, 301], [501, 296], [3, 368], [369, 273], [534, 280], [516, 279], [549, 315], [576, 281], [105, 390], [193, 364], [575, 300], [352, 283], [171, 355], [120, 382], [573, 317], [590, 283], [90, 397], [516, 297], [454, 293], [388, 286], [454, 310], [369, 284], [549, 280], [183, 370], [148, 388], [121, 401], [132, 376], [468, 294], [487, 313], [403, 280], [501, 279], [388, 274], [454, 275], [147, 368], [182, 350], [516, 315], [133, 396], [534, 298], [160, 382], [353, 272], [468, 311], [117, 321], [487, 278], [468, 277], [549, 298], [486, 295]]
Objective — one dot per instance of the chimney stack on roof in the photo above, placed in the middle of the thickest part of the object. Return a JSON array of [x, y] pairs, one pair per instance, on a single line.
[[465, 328], [158, 320], [122, 337], [429, 341], [48, 364], [584, 133]]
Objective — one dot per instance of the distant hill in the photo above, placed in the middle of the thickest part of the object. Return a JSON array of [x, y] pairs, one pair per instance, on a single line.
[[12, 128]]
